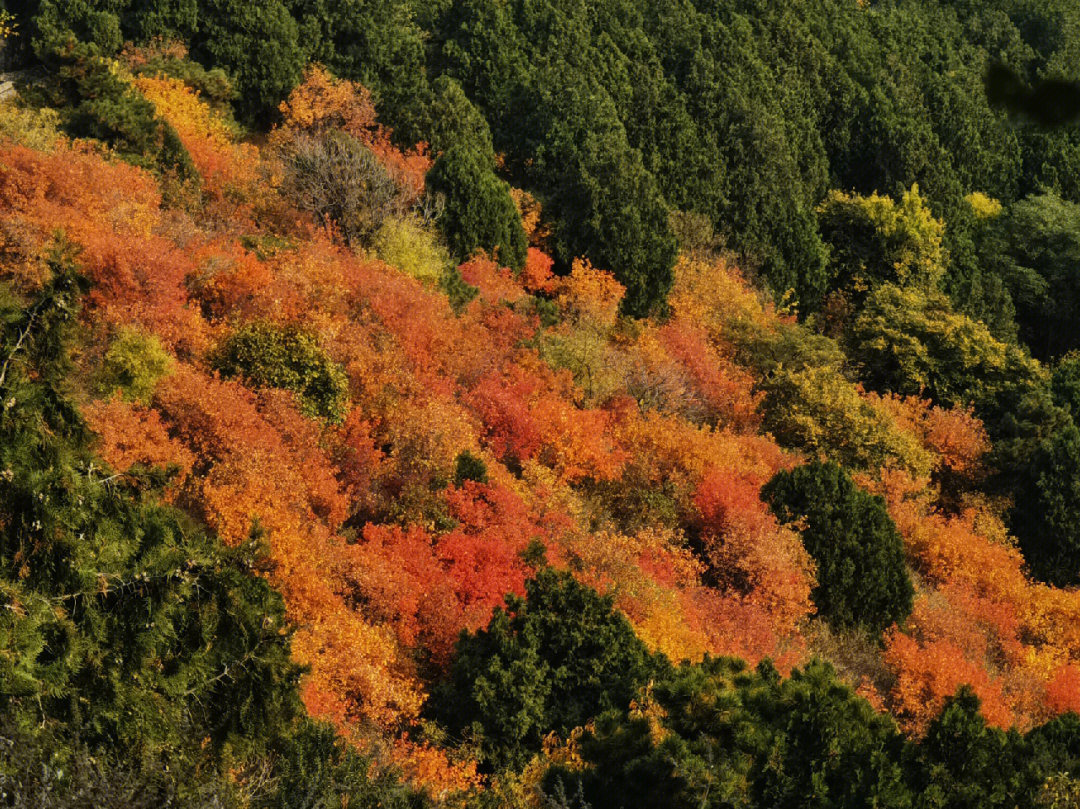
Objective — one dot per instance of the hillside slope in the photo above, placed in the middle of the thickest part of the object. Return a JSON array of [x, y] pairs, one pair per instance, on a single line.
[[423, 506]]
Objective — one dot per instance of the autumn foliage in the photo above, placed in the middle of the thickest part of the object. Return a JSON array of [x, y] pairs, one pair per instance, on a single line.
[[632, 452]]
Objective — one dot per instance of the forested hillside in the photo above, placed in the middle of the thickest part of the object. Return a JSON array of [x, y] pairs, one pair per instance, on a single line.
[[539, 404]]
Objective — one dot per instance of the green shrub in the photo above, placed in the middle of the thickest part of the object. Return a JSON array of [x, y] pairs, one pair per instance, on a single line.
[[40, 769], [406, 243], [269, 356], [469, 467], [134, 364]]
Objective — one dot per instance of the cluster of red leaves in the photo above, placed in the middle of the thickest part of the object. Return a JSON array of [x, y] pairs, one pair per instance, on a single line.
[[536, 275], [750, 553], [494, 283]]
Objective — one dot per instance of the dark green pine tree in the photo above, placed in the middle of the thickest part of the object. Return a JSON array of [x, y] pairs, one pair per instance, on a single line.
[[479, 212], [605, 205], [548, 662], [964, 764], [258, 44], [123, 618], [1046, 518], [829, 747], [862, 577], [1065, 383], [721, 735]]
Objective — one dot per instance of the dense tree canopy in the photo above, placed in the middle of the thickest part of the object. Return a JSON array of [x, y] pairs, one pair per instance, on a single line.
[[743, 114], [1038, 241], [754, 321]]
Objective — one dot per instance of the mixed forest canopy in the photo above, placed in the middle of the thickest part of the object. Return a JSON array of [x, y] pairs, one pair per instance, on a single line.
[[528, 403], [615, 115]]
